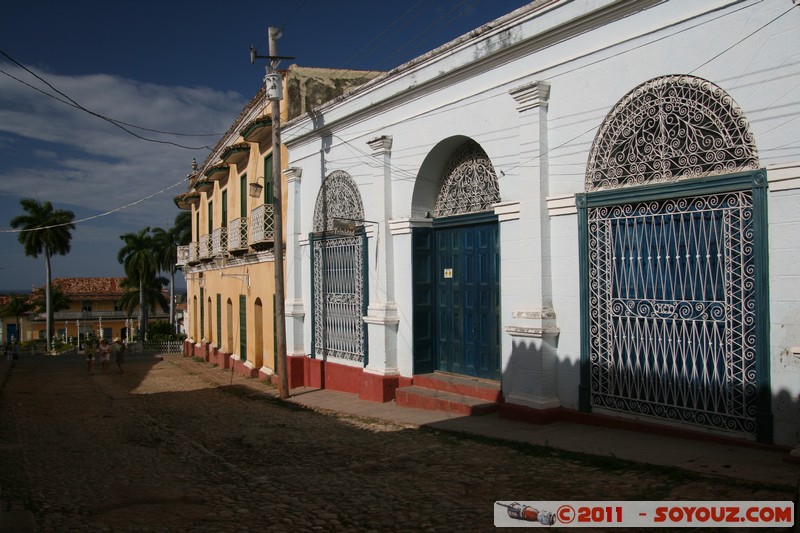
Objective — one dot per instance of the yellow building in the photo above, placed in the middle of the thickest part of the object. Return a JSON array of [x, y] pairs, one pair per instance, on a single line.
[[92, 308], [229, 266]]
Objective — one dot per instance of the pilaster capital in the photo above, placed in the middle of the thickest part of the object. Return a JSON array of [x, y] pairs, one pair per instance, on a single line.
[[293, 174], [531, 95], [381, 145]]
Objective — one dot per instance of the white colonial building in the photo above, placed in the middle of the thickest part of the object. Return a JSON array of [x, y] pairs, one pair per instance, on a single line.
[[586, 208]]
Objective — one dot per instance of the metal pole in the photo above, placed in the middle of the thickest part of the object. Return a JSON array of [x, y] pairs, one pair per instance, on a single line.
[[280, 311]]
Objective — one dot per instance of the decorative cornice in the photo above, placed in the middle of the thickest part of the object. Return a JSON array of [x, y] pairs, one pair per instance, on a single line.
[[531, 95]]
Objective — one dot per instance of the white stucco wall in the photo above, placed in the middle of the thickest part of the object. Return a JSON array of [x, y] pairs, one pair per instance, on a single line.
[[591, 53]]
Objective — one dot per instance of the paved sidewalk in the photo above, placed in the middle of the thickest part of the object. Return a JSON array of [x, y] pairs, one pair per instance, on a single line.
[[763, 464]]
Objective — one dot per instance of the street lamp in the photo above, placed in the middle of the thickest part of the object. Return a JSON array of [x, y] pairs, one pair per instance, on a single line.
[[255, 188]]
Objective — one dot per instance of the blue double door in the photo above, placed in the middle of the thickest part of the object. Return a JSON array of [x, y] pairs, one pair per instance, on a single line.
[[457, 300]]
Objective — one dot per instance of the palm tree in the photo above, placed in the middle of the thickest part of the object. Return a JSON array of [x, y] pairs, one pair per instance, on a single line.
[[58, 301], [46, 231], [140, 262], [183, 228], [150, 291], [166, 250], [18, 306]]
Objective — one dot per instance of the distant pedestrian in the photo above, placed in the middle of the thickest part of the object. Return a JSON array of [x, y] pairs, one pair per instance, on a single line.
[[105, 354], [7, 351], [119, 353], [16, 351], [88, 350]]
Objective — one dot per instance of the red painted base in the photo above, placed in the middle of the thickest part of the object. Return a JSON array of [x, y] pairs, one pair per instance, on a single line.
[[221, 359], [307, 372], [241, 368]]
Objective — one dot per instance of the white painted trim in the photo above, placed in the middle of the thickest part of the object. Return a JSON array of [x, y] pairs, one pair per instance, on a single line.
[[561, 205], [382, 314], [294, 308], [402, 226], [506, 211], [783, 176], [538, 333]]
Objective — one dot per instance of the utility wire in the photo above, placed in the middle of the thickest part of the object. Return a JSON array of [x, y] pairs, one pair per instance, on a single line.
[[448, 108], [70, 101], [99, 215], [742, 39]]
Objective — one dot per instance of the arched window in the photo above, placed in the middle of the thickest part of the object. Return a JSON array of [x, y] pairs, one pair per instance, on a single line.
[[338, 198], [667, 129], [469, 185]]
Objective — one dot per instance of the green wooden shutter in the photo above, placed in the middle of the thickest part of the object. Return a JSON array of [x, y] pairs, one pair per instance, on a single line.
[[269, 197], [224, 222]]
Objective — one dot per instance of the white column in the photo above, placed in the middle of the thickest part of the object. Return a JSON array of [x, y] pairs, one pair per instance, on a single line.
[[531, 373], [295, 311], [382, 318]]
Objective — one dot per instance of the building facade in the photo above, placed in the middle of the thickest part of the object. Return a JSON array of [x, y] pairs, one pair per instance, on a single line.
[[589, 204], [93, 308], [230, 264]]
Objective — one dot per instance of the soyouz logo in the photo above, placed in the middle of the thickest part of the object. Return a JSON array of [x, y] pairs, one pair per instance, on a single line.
[[644, 514]]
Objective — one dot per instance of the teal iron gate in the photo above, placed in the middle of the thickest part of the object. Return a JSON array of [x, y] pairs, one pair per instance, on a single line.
[[340, 302], [676, 313], [338, 272]]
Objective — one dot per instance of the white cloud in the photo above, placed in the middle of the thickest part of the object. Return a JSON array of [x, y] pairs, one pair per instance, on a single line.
[[52, 151], [84, 161]]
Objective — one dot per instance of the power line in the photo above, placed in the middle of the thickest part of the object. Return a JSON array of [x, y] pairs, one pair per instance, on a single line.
[[449, 108], [119, 124], [100, 215]]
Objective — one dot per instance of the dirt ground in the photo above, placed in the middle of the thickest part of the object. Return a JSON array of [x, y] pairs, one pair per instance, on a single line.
[[164, 448]]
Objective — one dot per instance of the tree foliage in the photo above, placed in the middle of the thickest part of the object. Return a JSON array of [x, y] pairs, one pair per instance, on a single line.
[[44, 231]]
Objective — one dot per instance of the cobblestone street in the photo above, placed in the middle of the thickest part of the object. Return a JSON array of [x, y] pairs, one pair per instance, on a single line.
[[165, 448]]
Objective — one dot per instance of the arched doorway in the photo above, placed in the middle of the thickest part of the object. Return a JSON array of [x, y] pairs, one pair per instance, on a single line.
[[338, 264], [209, 321], [673, 243], [258, 317], [229, 325], [457, 267]]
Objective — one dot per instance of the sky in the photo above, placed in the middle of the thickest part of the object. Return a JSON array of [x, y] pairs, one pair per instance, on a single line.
[[177, 67]]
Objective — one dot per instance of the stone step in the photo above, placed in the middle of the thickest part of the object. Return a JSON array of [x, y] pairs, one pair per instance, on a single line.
[[462, 385], [436, 400]]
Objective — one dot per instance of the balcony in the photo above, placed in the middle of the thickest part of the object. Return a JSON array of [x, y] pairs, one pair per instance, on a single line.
[[193, 255], [236, 154], [237, 235], [186, 200], [263, 226], [258, 130], [204, 185], [218, 172], [219, 241], [184, 255], [204, 247]]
